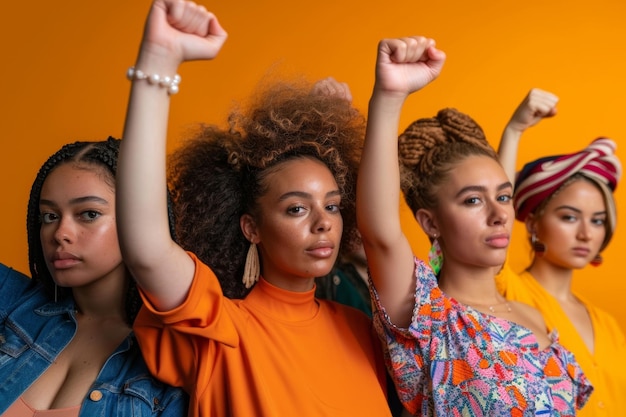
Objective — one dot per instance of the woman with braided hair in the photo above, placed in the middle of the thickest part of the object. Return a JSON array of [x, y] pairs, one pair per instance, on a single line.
[[230, 315], [66, 344], [566, 202], [453, 344]]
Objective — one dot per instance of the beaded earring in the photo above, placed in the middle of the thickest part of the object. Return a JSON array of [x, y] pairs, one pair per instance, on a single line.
[[435, 256], [252, 269]]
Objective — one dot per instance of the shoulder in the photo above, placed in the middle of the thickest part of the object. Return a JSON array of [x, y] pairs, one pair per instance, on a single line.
[[14, 285]]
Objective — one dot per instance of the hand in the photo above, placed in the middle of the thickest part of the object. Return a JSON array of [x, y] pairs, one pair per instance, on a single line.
[[332, 87], [179, 30], [537, 105], [405, 65]]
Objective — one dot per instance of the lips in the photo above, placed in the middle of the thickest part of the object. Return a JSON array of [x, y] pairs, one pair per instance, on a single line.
[[64, 260], [322, 249], [500, 240], [580, 251]]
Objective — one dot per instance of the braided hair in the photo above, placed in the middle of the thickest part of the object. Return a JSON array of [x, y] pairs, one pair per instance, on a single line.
[[429, 148], [218, 175], [101, 156]]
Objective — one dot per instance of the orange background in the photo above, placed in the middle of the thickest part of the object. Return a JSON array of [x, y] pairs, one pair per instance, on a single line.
[[64, 65]]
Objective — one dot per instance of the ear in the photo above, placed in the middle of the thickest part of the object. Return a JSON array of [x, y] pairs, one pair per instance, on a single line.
[[427, 222], [249, 228], [531, 224]]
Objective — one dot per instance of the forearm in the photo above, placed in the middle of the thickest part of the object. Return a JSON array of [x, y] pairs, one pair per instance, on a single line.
[[507, 151], [387, 249], [379, 179], [148, 249]]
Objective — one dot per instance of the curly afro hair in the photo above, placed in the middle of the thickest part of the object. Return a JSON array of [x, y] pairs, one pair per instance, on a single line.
[[218, 175]]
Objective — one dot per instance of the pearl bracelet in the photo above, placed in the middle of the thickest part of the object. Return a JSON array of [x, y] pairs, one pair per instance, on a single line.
[[171, 83]]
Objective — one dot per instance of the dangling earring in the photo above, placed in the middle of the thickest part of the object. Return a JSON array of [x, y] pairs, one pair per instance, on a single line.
[[435, 256], [538, 247], [597, 260], [252, 269]]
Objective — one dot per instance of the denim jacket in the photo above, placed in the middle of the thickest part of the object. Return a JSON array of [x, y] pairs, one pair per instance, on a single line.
[[33, 331]]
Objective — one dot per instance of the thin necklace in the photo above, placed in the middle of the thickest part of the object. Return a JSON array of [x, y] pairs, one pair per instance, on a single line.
[[491, 307]]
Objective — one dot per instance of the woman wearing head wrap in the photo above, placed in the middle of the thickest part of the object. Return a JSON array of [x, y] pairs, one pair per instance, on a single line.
[[566, 202], [454, 345]]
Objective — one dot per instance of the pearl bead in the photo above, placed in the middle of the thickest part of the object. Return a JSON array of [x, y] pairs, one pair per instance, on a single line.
[[154, 79], [170, 83]]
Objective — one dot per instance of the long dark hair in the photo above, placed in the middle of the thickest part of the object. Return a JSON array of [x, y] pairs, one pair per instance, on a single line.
[[100, 155]]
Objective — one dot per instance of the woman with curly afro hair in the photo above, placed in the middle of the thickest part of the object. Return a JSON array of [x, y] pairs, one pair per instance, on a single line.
[[453, 344], [230, 314]]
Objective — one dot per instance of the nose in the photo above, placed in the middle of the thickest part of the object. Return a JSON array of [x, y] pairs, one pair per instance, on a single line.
[[499, 213], [64, 232], [323, 221], [584, 232]]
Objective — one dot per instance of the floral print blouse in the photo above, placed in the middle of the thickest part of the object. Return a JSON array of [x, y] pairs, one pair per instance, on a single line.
[[456, 361]]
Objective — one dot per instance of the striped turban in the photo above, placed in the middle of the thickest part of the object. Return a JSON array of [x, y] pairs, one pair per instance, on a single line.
[[540, 179]]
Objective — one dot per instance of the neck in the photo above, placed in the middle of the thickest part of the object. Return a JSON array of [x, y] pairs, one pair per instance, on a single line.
[[103, 298], [554, 279], [472, 286]]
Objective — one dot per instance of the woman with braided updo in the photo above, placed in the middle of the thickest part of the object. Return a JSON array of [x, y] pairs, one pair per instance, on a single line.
[[566, 202], [66, 344], [264, 206], [453, 344]]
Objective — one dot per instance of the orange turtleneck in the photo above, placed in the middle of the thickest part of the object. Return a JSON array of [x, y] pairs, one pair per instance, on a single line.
[[276, 352]]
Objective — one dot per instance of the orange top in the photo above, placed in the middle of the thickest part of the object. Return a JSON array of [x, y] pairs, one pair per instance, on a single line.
[[274, 353], [605, 367], [21, 409]]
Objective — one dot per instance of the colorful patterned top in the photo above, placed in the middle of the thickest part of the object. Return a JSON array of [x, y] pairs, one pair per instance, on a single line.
[[604, 366], [456, 361]]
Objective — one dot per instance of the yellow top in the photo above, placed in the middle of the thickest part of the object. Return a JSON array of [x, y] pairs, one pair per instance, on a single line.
[[605, 367]]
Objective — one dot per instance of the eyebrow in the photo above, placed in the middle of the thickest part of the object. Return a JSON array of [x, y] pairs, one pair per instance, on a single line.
[[566, 207], [302, 194], [483, 189], [79, 200]]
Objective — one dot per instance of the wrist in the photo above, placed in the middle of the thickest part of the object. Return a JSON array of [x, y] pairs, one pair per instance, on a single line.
[[168, 82]]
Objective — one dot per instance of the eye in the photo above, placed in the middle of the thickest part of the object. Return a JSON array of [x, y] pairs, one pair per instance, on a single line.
[[598, 222], [47, 218], [471, 200], [568, 218], [333, 208], [90, 215], [296, 210], [504, 198]]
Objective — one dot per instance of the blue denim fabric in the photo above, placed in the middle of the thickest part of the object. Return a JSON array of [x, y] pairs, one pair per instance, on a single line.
[[33, 331]]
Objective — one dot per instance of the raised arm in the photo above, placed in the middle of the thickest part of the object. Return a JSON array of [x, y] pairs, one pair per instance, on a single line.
[[537, 105], [403, 66], [175, 31]]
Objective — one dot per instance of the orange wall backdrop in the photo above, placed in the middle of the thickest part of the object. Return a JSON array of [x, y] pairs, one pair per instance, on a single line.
[[64, 64]]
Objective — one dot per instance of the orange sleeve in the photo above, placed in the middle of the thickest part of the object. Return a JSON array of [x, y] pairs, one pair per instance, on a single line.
[[175, 342]]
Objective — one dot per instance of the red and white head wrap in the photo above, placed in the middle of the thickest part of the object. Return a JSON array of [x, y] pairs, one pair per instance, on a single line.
[[539, 179]]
